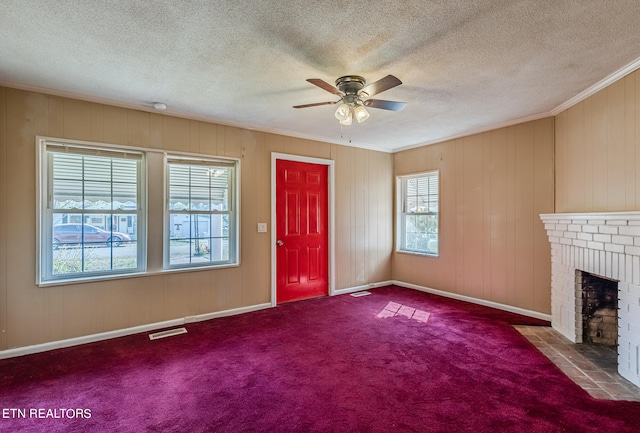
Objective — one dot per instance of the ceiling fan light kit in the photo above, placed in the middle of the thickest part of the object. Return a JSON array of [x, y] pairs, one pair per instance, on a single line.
[[353, 92]]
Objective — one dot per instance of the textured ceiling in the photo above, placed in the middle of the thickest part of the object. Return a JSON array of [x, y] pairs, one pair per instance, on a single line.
[[466, 66]]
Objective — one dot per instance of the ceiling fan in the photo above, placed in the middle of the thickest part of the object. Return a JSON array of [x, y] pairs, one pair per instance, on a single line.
[[354, 93]]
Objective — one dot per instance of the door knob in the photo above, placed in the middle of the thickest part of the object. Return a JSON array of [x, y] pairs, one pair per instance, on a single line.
[[279, 243]]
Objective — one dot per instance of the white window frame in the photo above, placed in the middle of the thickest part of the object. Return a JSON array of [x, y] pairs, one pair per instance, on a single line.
[[402, 213], [45, 212], [233, 212]]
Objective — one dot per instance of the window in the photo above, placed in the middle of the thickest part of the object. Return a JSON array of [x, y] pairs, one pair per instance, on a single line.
[[201, 213], [91, 211], [417, 207]]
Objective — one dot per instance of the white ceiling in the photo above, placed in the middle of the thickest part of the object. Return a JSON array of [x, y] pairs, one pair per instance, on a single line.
[[466, 66]]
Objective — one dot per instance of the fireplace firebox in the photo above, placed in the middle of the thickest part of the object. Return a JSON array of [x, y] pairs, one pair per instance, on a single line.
[[599, 310]]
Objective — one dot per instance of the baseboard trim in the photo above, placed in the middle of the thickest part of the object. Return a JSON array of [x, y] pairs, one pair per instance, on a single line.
[[503, 307], [226, 313], [92, 338], [362, 287]]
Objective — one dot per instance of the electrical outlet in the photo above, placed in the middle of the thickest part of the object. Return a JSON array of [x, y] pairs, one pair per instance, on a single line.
[[262, 227]]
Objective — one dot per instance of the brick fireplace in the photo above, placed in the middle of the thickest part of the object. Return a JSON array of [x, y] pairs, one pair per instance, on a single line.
[[605, 245]]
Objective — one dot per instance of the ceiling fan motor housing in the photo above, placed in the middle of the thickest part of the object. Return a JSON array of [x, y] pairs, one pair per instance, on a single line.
[[350, 84]]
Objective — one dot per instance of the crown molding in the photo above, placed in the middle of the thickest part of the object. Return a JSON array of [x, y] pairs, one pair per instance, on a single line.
[[600, 85]]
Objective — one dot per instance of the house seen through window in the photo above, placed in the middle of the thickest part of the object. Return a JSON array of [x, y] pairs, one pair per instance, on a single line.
[[91, 212]]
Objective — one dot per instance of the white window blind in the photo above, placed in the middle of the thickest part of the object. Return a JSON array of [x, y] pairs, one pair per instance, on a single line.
[[201, 213], [92, 215], [418, 213]]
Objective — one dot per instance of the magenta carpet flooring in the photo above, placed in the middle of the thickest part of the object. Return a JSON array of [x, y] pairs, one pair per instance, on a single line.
[[396, 360]]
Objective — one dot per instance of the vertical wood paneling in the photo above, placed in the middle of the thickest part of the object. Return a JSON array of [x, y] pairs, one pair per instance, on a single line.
[[579, 148], [138, 128], [486, 210], [175, 134], [511, 217], [497, 216], [493, 187], [630, 143], [27, 307], [525, 215], [543, 173], [458, 251], [155, 206], [587, 180], [343, 223], [77, 119], [600, 153], [600, 175], [97, 122], [471, 216], [3, 219], [615, 119], [115, 125]]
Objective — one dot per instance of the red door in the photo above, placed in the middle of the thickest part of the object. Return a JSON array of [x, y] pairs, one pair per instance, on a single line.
[[301, 230]]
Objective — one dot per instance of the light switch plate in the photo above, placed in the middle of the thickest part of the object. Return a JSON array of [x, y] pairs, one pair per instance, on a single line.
[[262, 227]]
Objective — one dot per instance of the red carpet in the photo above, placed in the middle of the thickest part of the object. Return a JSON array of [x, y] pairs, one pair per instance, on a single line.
[[396, 360]]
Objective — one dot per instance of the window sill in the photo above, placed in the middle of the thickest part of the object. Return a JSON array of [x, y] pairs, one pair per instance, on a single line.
[[100, 278], [418, 253]]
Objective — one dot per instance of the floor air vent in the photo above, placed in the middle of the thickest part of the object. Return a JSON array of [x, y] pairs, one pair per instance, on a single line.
[[167, 333], [358, 294]]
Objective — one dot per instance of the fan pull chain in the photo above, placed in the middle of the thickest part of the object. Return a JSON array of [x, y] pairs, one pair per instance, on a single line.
[[342, 132]]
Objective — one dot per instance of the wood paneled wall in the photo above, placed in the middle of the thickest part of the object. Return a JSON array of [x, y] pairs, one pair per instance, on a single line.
[[3, 219], [493, 186], [31, 315], [598, 151]]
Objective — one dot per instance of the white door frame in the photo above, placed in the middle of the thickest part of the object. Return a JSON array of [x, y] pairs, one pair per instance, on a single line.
[[331, 215]]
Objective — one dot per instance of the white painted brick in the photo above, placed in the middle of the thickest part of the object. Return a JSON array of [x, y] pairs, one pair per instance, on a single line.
[[577, 243], [628, 265], [585, 236], [574, 228], [615, 248], [607, 265], [634, 293], [636, 270], [602, 238], [562, 227], [590, 229], [596, 222], [616, 222], [622, 240], [579, 221], [595, 245], [553, 240], [623, 287], [634, 222], [555, 233], [629, 230], [634, 314], [615, 266], [565, 241], [634, 251], [612, 230], [570, 235], [549, 226]]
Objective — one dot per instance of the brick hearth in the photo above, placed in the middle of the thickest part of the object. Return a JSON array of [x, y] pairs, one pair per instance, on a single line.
[[605, 244]]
